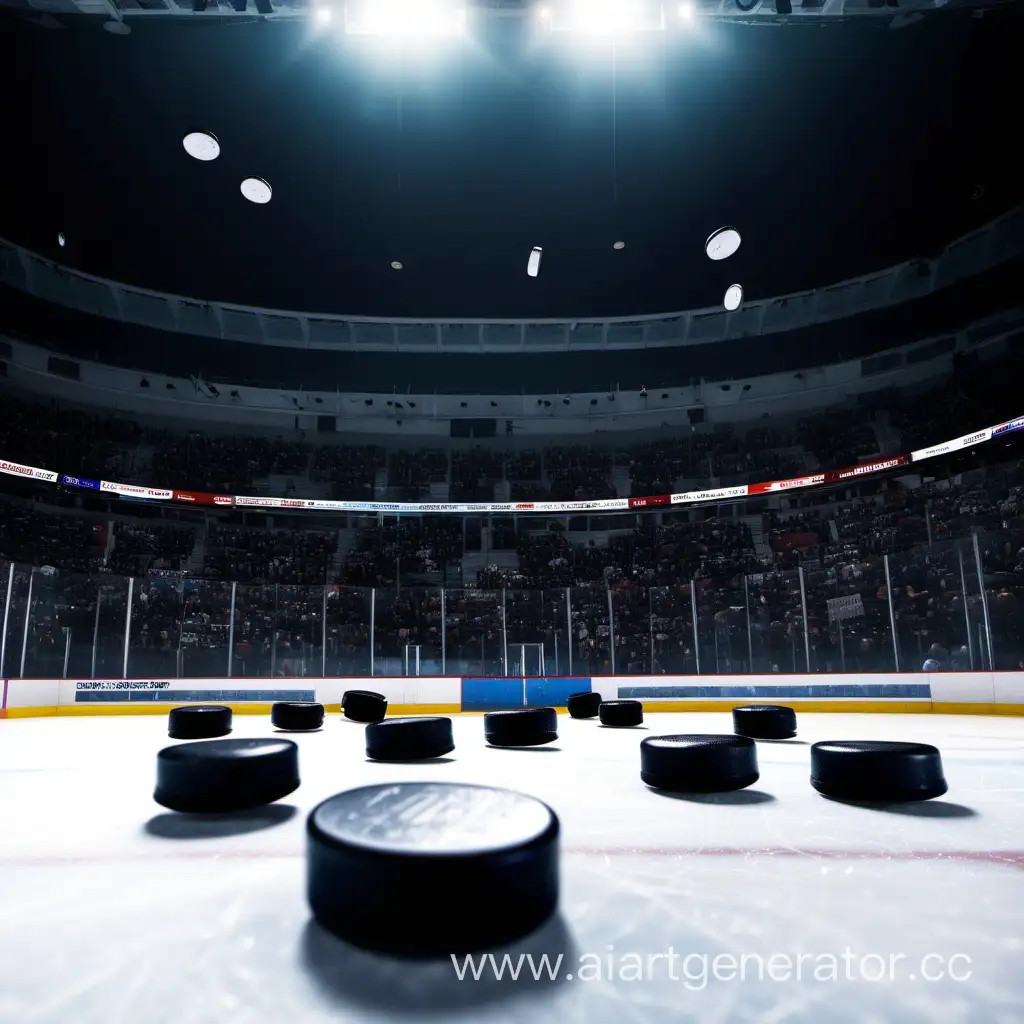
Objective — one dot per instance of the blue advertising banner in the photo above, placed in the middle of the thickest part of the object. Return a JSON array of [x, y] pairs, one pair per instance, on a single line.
[[80, 481]]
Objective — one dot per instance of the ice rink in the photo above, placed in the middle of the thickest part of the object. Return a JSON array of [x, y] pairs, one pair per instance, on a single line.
[[770, 905]]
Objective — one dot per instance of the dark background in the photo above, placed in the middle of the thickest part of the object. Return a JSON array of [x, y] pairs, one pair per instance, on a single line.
[[836, 151]]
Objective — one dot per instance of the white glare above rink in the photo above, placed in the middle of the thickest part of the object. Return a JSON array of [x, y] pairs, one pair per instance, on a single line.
[[201, 145], [722, 243], [733, 297], [603, 17], [409, 18], [533, 263]]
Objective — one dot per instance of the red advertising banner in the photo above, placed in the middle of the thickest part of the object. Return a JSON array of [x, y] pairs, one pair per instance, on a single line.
[[652, 502], [202, 498]]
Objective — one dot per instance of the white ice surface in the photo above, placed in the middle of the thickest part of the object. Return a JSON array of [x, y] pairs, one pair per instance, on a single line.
[[113, 911]]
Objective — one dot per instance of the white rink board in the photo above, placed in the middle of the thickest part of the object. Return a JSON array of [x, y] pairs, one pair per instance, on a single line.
[[117, 912], [31, 693], [1003, 688]]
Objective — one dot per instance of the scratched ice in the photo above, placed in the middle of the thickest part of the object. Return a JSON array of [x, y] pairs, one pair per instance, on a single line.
[[113, 911]]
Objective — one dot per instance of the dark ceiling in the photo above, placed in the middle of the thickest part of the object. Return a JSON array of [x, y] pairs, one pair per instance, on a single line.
[[836, 151]]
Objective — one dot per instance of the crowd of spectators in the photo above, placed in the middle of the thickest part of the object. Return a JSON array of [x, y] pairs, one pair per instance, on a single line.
[[880, 580], [889, 579], [475, 471], [578, 472], [838, 437], [300, 557], [139, 547], [411, 472], [226, 465], [406, 546], [34, 537], [351, 470]]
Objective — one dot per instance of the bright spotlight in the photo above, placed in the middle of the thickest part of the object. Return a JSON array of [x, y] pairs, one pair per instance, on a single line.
[[544, 13], [687, 11], [606, 16], [323, 15], [405, 18]]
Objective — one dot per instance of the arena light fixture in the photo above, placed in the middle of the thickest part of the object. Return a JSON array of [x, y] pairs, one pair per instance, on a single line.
[[256, 190], [396, 265], [619, 245], [323, 15], [533, 263], [733, 297], [116, 27], [409, 18], [722, 243], [687, 11], [61, 240], [201, 145]]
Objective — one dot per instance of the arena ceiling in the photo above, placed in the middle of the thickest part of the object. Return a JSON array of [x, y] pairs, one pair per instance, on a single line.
[[836, 152]]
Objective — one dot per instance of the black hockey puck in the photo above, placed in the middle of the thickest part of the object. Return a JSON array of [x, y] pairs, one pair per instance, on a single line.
[[409, 739], [764, 721], [584, 704], [621, 713], [199, 722], [364, 705], [297, 715], [876, 771], [226, 775], [698, 764], [522, 727], [430, 868]]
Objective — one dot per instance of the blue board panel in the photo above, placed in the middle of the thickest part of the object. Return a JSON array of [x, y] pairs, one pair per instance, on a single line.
[[491, 694], [191, 696], [897, 691], [544, 693]]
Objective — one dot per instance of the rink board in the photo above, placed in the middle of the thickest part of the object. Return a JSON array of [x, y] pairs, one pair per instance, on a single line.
[[951, 693]]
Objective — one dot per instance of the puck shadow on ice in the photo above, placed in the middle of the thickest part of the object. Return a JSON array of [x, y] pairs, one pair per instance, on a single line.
[[913, 809], [430, 985], [174, 825], [735, 798]]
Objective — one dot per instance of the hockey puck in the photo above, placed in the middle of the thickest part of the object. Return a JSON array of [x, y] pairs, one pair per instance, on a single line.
[[199, 722], [584, 704], [430, 868], [876, 771], [364, 705], [764, 721], [409, 739], [296, 715], [621, 713], [522, 727], [226, 775], [698, 764]]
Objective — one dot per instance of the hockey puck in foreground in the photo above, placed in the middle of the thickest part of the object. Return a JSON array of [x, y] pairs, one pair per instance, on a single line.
[[297, 715], [522, 727], [364, 705], [698, 764], [409, 739], [877, 771], [583, 704], [199, 722], [430, 868], [764, 721], [226, 775], [621, 713]]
